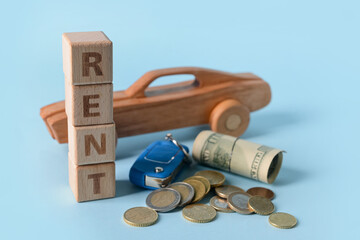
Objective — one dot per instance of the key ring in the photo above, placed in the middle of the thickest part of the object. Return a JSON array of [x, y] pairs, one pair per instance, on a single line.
[[187, 156]]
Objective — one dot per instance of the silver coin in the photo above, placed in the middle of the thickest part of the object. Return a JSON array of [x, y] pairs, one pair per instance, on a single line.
[[238, 201], [163, 199], [220, 204], [186, 191]]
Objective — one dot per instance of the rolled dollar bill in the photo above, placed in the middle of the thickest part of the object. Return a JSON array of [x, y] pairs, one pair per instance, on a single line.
[[238, 156]]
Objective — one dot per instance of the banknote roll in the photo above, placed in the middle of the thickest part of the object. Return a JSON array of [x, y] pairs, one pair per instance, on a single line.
[[238, 156]]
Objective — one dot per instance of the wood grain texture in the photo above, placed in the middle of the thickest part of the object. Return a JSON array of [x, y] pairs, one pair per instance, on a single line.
[[89, 104], [91, 182], [87, 58], [230, 117], [92, 144], [141, 110]]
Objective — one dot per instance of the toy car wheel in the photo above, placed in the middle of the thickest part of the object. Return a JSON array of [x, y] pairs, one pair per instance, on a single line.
[[230, 117]]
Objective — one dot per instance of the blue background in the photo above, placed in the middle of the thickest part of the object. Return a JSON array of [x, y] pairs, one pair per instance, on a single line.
[[307, 50]]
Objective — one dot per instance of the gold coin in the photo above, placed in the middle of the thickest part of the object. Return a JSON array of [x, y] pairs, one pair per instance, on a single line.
[[261, 205], [225, 190], [260, 191], [204, 181], [238, 201], [199, 189], [220, 204], [140, 216], [199, 213], [215, 178], [282, 220], [186, 191]]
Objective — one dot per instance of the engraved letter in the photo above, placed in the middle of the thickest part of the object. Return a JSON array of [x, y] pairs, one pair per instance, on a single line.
[[87, 105], [96, 181], [90, 139], [86, 64]]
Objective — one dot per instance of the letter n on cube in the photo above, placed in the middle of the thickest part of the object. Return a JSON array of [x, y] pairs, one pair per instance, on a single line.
[[92, 144]]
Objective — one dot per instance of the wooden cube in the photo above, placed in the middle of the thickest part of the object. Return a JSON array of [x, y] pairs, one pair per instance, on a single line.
[[92, 144], [91, 182], [87, 58], [89, 104]]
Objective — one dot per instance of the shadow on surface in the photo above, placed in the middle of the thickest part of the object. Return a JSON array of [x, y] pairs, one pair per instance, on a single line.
[[268, 122], [133, 146], [289, 176], [125, 187], [260, 124]]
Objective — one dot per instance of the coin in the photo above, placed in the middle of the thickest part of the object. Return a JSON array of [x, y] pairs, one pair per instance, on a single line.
[[225, 190], [199, 213], [204, 181], [140, 216], [215, 178], [238, 201], [186, 191], [163, 199], [261, 205], [260, 191], [199, 188], [282, 220], [220, 204]]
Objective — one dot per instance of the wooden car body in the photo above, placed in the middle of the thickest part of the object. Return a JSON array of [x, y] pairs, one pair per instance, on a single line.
[[140, 109]]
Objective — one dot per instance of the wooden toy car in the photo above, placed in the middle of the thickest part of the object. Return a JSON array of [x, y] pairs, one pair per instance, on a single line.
[[224, 100]]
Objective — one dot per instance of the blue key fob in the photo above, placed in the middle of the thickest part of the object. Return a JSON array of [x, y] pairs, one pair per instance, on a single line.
[[159, 164]]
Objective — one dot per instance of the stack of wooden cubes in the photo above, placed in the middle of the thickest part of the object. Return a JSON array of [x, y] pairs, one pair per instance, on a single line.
[[88, 69]]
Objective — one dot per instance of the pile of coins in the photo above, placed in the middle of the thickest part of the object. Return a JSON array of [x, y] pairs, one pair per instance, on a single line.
[[228, 199]]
